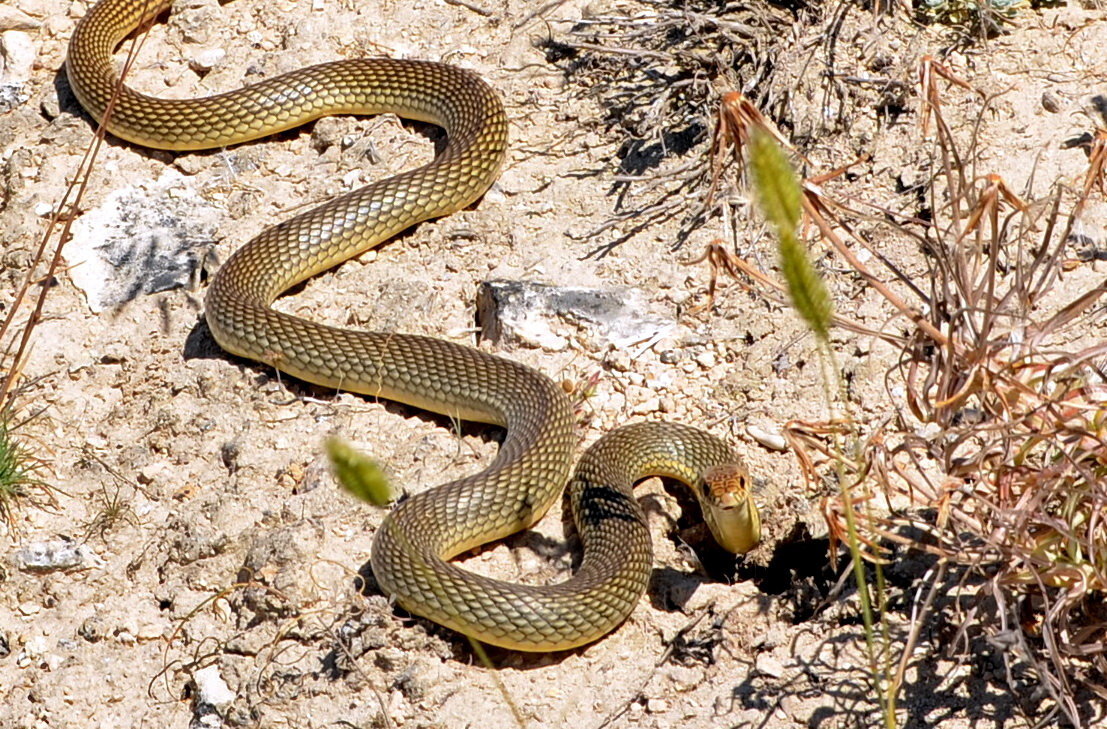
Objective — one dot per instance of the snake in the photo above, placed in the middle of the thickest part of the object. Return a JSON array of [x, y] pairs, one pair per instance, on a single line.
[[415, 544]]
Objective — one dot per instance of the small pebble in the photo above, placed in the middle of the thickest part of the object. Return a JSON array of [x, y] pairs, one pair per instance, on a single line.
[[684, 678], [768, 438], [707, 360], [33, 649], [769, 665], [207, 59], [211, 689], [619, 361], [657, 706], [1051, 102], [93, 629]]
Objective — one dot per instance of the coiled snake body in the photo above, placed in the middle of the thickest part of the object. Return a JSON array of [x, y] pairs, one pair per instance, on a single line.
[[417, 538]]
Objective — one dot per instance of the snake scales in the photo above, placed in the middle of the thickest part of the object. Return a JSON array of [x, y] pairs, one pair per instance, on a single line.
[[414, 544]]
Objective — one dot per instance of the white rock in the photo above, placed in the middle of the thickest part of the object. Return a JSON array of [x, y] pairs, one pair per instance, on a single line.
[[528, 312], [207, 59], [768, 438], [15, 19], [17, 56], [707, 360], [141, 240], [211, 689], [56, 554], [769, 665]]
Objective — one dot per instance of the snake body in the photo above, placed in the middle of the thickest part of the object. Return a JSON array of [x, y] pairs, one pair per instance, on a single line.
[[414, 544]]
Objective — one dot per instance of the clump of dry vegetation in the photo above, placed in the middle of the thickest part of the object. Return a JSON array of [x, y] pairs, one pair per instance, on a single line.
[[996, 457], [657, 73]]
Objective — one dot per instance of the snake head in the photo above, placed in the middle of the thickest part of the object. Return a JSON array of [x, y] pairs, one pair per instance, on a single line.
[[728, 507]]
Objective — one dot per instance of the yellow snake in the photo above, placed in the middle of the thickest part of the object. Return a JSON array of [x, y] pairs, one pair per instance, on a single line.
[[412, 547]]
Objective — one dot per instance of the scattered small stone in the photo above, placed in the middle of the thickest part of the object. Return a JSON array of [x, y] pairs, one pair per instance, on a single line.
[[229, 453], [12, 18], [721, 595], [794, 707], [684, 678], [671, 356], [152, 472], [928, 431], [418, 679], [327, 133], [619, 361], [707, 360], [397, 707], [1051, 102], [206, 59], [910, 178], [389, 659], [34, 649], [657, 706], [94, 629], [194, 23], [769, 665], [768, 438]]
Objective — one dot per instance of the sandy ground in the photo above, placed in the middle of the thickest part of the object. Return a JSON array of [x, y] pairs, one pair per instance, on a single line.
[[215, 541]]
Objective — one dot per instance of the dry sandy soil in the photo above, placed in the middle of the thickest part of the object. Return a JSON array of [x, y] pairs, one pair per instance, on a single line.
[[213, 534]]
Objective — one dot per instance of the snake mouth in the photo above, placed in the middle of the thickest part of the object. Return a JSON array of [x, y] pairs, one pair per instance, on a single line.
[[728, 507]]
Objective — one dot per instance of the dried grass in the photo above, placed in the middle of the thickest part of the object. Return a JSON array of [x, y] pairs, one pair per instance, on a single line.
[[657, 69], [996, 460]]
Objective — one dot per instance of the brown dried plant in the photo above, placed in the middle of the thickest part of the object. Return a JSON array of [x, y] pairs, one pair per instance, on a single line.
[[995, 459]]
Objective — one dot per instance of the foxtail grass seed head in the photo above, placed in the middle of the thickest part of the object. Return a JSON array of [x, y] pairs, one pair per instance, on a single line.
[[359, 474], [781, 201]]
